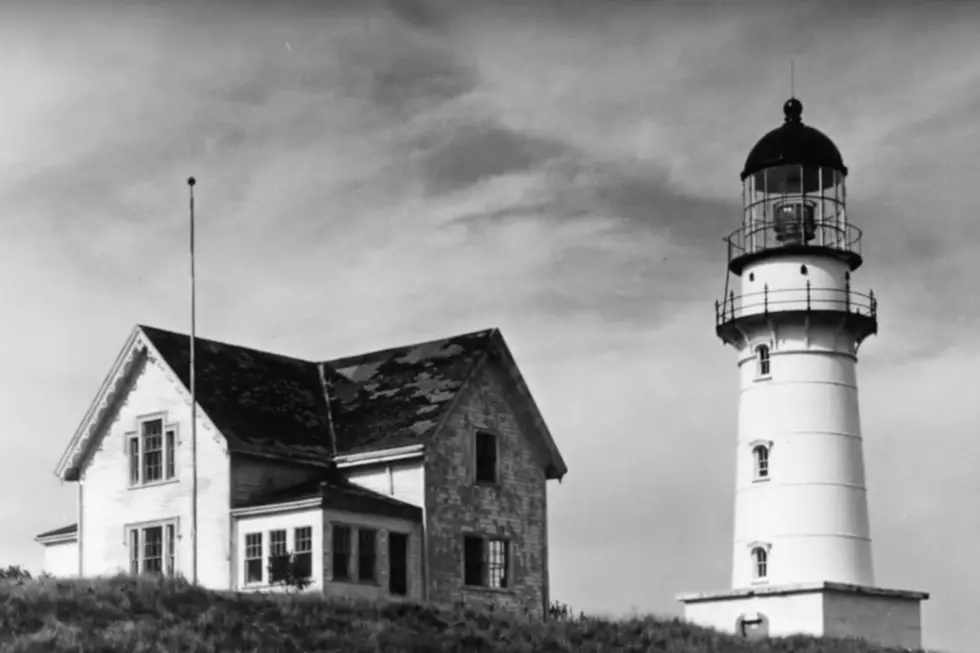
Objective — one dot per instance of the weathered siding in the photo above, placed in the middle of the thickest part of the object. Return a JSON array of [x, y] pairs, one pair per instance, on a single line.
[[404, 480], [312, 517], [514, 509], [383, 525], [61, 559], [253, 477], [109, 504]]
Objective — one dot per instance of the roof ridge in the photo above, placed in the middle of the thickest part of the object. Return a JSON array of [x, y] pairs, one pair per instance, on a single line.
[[264, 352], [351, 359]]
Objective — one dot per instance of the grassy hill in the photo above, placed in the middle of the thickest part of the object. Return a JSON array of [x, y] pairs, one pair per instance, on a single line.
[[137, 615]]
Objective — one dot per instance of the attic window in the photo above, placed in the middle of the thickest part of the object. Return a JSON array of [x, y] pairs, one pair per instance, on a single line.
[[486, 458], [152, 452]]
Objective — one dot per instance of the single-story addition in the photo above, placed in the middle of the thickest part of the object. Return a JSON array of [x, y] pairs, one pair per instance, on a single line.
[[418, 471]]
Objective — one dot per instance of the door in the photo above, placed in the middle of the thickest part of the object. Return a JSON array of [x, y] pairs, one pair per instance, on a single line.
[[398, 563]]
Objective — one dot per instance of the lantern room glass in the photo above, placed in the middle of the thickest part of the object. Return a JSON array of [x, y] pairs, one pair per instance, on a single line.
[[794, 205]]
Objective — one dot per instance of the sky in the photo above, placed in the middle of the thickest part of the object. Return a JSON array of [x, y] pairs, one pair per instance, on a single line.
[[378, 173]]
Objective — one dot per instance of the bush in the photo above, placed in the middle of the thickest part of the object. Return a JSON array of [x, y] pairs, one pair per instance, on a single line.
[[128, 614]]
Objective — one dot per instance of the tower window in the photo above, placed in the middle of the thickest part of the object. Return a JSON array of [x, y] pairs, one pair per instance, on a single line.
[[762, 361], [760, 563], [760, 456], [751, 276], [803, 269]]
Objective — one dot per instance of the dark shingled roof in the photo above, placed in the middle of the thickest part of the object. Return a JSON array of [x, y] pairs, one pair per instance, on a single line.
[[338, 493], [271, 404], [64, 530]]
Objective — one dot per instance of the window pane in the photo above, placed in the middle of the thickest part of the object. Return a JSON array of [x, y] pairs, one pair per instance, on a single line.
[[303, 551], [152, 450], [170, 446], [153, 550], [134, 551], [253, 557], [366, 555], [277, 555], [171, 549], [134, 461], [497, 563]]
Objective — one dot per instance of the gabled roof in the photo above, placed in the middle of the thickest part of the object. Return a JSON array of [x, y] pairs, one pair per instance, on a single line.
[[338, 493], [63, 533], [273, 405]]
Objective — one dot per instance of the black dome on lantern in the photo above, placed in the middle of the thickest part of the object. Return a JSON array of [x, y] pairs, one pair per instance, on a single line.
[[793, 143]]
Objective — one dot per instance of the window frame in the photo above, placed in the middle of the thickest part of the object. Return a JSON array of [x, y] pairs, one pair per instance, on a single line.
[[759, 556], [307, 553], [260, 557], [477, 467], [336, 528], [275, 549], [136, 453], [763, 361], [761, 465], [135, 541], [486, 564]]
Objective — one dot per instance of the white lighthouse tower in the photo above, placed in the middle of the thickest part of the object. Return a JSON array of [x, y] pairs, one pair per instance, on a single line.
[[801, 554]]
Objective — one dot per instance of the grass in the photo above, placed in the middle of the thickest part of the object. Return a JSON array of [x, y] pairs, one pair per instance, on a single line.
[[138, 615]]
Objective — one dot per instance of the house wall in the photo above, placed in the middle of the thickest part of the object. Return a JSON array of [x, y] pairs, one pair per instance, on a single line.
[[404, 479], [515, 509], [61, 558], [885, 620], [384, 525], [253, 477], [108, 504], [290, 520]]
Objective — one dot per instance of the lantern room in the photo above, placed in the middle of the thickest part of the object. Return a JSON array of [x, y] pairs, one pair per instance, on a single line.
[[794, 197]]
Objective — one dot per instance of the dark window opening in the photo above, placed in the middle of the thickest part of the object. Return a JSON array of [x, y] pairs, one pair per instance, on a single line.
[[762, 353], [341, 552], [760, 561], [398, 563], [486, 562], [803, 269], [761, 454], [751, 276], [366, 555], [486, 458], [473, 561]]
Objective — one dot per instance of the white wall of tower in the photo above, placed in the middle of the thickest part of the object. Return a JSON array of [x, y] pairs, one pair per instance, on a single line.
[[780, 284], [811, 511]]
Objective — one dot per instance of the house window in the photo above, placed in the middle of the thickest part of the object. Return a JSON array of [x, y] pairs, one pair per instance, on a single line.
[[277, 549], [341, 552], [762, 361], [497, 564], [303, 551], [486, 458], [366, 555], [486, 562], [253, 558], [152, 549], [760, 563], [152, 453], [760, 455]]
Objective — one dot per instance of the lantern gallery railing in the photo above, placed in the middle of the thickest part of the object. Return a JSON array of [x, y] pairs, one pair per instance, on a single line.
[[806, 298], [761, 235]]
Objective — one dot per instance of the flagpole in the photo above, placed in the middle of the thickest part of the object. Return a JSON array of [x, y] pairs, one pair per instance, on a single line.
[[190, 183]]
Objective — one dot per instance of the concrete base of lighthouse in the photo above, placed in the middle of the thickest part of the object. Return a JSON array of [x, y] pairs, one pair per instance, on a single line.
[[883, 616]]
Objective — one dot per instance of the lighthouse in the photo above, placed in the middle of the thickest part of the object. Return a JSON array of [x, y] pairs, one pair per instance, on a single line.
[[795, 315]]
